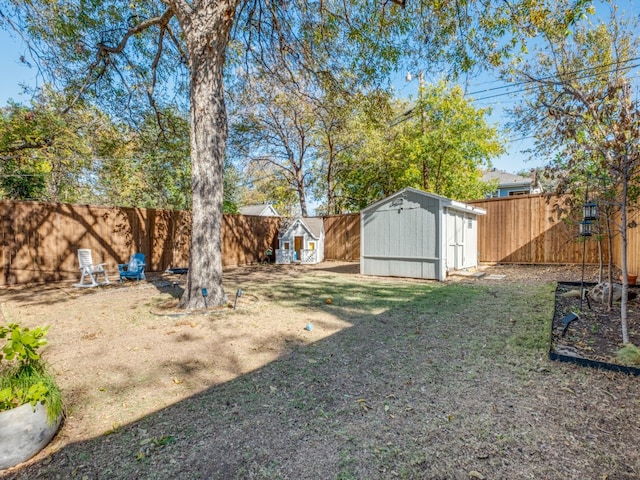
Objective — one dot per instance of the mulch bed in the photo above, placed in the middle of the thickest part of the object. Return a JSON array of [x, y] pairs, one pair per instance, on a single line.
[[596, 336]]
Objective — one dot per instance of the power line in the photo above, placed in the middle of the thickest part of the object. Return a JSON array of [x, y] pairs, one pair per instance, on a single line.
[[548, 77], [413, 111], [513, 140]]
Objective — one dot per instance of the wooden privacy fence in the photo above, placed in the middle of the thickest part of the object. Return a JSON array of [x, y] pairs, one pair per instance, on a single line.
[[521, 229], [40, 240], [530, 229], [633, 247], [342, 237]]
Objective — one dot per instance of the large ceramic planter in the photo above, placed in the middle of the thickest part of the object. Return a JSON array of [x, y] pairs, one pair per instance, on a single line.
[[631, 278], [23, 433]]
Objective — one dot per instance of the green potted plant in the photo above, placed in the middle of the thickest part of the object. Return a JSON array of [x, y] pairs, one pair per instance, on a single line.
[[30, 400]]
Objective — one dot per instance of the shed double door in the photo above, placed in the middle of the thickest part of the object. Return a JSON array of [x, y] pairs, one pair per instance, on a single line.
[[456, 241]]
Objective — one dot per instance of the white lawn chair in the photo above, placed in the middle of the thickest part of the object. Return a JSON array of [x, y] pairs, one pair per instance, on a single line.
[[88, 271]]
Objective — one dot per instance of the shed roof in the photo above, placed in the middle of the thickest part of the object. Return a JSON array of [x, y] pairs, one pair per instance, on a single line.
[[447, 202]]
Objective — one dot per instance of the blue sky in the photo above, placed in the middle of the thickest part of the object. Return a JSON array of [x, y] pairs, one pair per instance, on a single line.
[[13, 71]]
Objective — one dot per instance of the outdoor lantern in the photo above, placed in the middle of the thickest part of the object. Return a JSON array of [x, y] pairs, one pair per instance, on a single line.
[[590, 211], [585, 228]]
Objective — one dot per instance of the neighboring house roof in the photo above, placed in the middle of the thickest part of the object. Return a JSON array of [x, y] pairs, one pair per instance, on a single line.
[[447, 202], [313, 225], [264, 210], [505, 178], [512, 181]]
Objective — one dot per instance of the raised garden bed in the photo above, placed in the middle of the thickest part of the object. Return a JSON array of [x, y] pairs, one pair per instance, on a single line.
[[595, 336]]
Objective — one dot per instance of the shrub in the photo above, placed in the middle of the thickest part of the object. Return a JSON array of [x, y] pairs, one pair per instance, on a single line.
[[629, 354], [24, 376]]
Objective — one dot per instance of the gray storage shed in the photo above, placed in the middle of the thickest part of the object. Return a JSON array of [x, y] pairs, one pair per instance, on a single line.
[[418, 235]]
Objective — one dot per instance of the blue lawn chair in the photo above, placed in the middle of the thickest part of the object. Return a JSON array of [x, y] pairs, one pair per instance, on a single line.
[[133, 269]]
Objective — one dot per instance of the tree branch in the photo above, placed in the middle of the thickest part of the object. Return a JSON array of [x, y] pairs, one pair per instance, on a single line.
[[154, 75], [142, 26], [104, 51], [181, 8], [29, 145]]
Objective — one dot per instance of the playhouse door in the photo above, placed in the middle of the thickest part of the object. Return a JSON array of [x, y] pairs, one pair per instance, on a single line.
[[298, 242]]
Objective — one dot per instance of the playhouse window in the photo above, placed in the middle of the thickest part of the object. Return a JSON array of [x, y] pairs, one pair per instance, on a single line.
[[286, 246], [312, 245]]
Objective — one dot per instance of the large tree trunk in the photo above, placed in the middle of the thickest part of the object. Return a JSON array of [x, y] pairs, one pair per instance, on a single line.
[[331, 195], [207, 34], [301, 193]]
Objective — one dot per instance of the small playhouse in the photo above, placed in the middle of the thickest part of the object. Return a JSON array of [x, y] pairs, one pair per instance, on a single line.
[[418, 235], [301, 240]]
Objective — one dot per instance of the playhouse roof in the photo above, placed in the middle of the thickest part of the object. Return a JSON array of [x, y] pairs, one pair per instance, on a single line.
[[314, 225]]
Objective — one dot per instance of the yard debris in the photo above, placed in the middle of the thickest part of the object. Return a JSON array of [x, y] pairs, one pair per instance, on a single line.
[[600, 293], [475, 474], [571, 294], [494, 276]]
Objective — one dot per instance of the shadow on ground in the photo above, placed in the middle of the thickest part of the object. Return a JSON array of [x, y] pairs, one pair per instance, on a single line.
[[446, 381]]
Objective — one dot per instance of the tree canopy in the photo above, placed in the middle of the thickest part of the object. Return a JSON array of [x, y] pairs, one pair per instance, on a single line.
[[578, 103], [86, 156], [439, 144], [125, 54]]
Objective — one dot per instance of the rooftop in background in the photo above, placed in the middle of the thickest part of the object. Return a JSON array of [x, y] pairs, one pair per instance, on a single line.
[[263, 210], [510, 184]]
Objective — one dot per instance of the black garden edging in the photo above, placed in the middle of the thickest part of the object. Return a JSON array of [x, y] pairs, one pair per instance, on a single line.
[[553, 355]]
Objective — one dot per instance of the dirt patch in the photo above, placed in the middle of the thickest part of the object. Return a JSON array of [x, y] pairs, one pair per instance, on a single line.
[[398, 378], [122, 350], [596, 332]]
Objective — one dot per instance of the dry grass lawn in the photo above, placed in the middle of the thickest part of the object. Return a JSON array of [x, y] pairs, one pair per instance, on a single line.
[[396, 379]]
